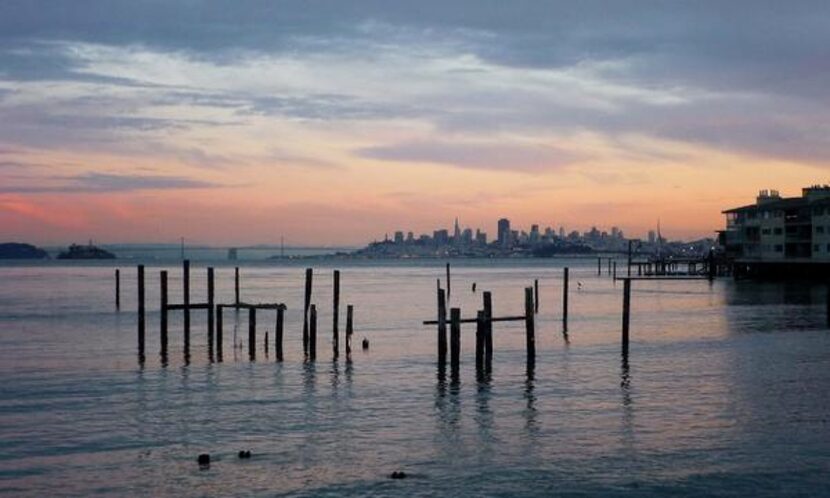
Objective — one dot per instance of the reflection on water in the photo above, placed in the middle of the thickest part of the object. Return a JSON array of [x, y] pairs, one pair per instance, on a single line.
[[531, 426], [701, 405]]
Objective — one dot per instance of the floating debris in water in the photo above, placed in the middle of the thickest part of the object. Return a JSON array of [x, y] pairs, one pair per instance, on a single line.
[[244, 454], [398, 474], [365, 343], [204, 460]]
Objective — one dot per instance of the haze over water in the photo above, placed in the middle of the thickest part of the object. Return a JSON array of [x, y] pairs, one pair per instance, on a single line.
[[722, 393]]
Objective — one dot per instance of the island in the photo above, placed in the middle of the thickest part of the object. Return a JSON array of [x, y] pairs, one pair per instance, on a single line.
[[17, 250], [88, 251]]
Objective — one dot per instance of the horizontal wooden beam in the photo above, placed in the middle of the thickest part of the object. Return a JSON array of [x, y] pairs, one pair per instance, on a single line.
[[681, 277], [259, 306], [192, 306], [474, 320]]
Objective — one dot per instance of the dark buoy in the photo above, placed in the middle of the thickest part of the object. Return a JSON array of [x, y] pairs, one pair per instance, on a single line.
[[204, 460], [474, 286], [365, 343], [398, 474], [245, 454]]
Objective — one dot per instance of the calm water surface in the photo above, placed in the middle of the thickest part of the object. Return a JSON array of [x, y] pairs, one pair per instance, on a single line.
[[725, 390]]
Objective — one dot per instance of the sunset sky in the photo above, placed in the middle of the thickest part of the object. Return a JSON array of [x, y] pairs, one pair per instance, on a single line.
[[334, 122]]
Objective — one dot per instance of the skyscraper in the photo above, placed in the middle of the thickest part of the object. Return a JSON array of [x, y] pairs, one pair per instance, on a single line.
[[504, 232]]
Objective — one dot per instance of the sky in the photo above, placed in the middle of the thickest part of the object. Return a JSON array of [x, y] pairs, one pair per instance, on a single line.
[[336, 122]]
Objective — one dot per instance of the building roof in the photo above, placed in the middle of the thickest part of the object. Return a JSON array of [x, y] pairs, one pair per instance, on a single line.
[[785, 203]]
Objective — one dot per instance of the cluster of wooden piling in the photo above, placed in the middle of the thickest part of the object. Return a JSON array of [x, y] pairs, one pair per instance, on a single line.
[[484, 320], [215, 316]]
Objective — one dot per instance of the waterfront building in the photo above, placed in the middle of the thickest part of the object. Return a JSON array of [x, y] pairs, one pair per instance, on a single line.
[[779, 229]]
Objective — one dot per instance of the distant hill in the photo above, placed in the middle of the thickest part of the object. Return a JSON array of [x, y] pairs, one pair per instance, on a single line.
[[76, 251], [17, 250]]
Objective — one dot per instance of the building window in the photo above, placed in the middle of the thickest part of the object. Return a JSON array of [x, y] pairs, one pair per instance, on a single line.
[[765, 231], [779, 231], [779, 248]]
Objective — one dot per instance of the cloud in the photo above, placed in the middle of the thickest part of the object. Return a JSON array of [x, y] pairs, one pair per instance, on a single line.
[[484, 156], [105, 183], [749, 76]]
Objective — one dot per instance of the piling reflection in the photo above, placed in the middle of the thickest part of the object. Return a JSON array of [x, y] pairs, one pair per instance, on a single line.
[[334, 374], [484, 415], [627, 405], [530, 412]]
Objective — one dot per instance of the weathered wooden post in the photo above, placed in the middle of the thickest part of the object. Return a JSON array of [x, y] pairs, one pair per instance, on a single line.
[[307, 302], [186, 300], [266, 344], [163, 313], [312, 340], [448, 281], [455, 338], [252, 333], [349, 328], [210, 310], [599, 266], [335, 343], [117, 289], [236, 286], [712, 266], [565, 277], [442, 327], [480, 341], [141, 313], [615, 271], [536, 295], [626, 313], [488, 329], [629, 257], [609, 266], [279, 330], [219, 310], [530, 326]]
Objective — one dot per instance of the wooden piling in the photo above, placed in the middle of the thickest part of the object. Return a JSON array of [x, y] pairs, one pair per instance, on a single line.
[[163, 313], [312, 332], [530, 326], [141, 313], [626, 313], [335, 342], [186, 301], [480, 340], [266, 343], [210, 310], [442, 327], [252, 333], [609, 266], [117, 289], [629, 257], [599, 266], [488, 329], [565, 277], [455, 338], [279, 331], [448, 281], [349, 328], [236, 286], [536, 295], [614, 275], [306, 303], [219, 332]]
